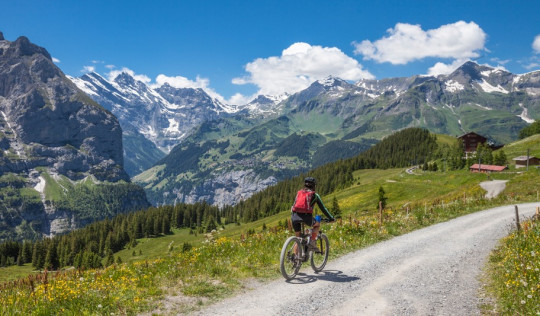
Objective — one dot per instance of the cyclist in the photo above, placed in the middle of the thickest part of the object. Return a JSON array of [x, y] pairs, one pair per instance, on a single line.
[[302, 210]]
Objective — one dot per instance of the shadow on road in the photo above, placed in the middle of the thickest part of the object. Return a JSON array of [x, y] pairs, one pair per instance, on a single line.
[[328, 275]]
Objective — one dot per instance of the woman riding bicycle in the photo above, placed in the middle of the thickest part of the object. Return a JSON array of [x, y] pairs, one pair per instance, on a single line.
[[302, 210]]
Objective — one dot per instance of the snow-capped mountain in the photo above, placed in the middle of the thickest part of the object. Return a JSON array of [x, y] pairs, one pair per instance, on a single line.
[[265, 105], [155, 119], [334, 119], [164, 115]]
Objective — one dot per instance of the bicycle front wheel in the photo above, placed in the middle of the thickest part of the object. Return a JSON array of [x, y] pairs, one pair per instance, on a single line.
[[320, 257], [290, 261]]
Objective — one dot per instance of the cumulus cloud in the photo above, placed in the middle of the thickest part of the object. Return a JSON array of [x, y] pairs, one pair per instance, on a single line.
[[407, 42], [240, 99], [182, 82], [115, 73], [298, 66], [55, 60], [445, 69], [536, 44], [87, 69]]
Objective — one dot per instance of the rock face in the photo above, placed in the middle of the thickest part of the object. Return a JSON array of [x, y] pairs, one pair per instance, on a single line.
[[60, 151], [50, 122], [227, 188]]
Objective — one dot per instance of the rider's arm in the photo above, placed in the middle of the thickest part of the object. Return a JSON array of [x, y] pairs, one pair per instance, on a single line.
[[317, 199]]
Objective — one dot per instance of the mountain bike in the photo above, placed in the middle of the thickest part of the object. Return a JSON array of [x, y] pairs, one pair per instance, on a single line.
[[295, 252]]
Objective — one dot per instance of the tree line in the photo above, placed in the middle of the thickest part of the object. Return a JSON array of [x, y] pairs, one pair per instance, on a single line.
[[86, 247]]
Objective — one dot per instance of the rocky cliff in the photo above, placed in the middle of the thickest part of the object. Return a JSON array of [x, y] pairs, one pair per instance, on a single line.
[[51, 134]]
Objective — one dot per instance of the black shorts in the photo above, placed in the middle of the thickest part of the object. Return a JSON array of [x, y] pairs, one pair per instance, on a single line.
[[298, 218]]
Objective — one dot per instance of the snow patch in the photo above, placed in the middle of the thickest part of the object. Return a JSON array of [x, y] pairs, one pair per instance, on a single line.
[[525, 115], [40, 186], [174, 126], [83, 85], [489, 88], [487, 73], [329, 81], [483, 107], [453, 86]]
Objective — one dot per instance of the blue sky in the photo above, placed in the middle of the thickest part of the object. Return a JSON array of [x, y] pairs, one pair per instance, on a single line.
[[236, 49]]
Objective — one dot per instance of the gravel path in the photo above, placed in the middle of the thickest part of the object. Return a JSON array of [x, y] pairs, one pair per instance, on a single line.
[[494, 187], [432, 271]]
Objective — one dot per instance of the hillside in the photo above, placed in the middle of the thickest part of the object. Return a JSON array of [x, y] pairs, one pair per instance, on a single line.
[[334, 119], [112, 236], [184, 261]]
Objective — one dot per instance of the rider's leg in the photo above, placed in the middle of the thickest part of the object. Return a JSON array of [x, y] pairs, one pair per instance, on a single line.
[[315, 232]]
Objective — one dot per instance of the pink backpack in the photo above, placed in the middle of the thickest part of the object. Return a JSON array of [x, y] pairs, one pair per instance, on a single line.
[[302, 204]]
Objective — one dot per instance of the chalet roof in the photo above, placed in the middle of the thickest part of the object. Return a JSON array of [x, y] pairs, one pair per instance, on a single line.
[[524, 158], [488, 167], [470, 134]]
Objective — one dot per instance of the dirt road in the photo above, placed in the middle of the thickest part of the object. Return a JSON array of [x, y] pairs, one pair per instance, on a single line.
[[432, 271], [493, 188]]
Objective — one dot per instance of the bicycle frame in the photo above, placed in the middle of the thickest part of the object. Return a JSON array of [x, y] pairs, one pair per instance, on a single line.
[[295, 252]]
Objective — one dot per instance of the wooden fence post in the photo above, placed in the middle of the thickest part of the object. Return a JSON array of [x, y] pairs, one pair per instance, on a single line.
[[289, 224], [380, 212], [517, 219]]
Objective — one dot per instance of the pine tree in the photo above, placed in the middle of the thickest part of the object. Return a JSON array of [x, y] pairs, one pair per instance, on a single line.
[[51, 258], [110, 258], [336, 210], [382, 198]]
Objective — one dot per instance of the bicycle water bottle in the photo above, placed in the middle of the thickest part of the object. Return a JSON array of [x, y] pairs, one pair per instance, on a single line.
[[318, 218]]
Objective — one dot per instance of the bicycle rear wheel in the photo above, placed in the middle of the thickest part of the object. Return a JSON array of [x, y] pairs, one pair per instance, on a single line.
[[289, 261], [319, 258]]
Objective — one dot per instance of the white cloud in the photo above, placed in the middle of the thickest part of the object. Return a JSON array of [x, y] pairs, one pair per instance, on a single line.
[[110, 66], [240, 99], [445, 69], [182, 82], [536, 44], [87, 69], [55, 60], [532, 66], [407, 42], [298, 66], [115, 73], [500, 61]]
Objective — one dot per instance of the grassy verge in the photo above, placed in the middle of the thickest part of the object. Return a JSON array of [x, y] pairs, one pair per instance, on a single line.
[[217, 266], [514, 270]]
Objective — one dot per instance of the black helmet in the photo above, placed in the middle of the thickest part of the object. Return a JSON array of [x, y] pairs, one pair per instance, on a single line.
[[310, 182]]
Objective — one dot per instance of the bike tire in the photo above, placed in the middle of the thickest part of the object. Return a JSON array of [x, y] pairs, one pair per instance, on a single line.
[[320, 258], [289, 263]]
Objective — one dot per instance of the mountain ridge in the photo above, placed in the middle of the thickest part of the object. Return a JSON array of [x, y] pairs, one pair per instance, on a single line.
[[349, 116], [55, 140]]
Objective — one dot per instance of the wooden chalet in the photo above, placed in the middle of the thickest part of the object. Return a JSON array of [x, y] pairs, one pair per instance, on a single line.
[[521, 161], [486, 168], [471, 141]]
